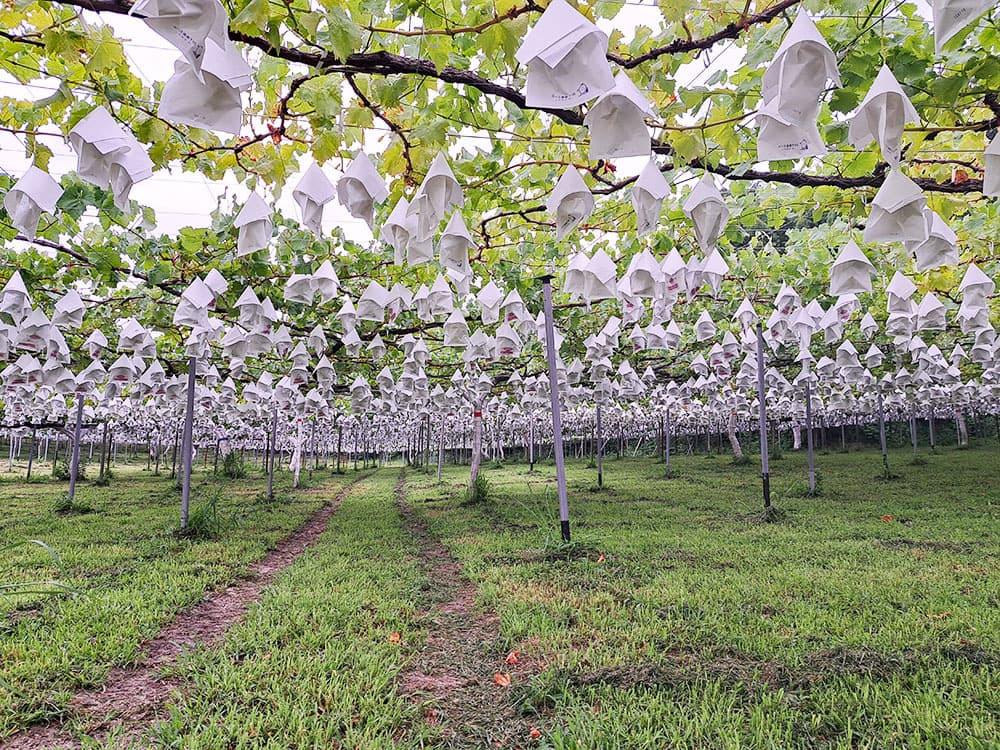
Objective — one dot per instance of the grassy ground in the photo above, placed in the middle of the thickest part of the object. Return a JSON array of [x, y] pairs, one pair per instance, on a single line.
[[119, 551], [701, 626], [316, 662], [677, 618]]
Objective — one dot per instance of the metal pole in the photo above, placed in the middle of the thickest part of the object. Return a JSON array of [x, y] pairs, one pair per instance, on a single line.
[[440, 448], [427, 442], [312, 448], [104, 447], [809, 440], [557, 441], [600, 448], [187, 450], [666, 441], [31, 453], [531, 443], [74, 464], [930, 428], [173, 466], [340, 438], [765, 473], [273, 451], [881, 435]]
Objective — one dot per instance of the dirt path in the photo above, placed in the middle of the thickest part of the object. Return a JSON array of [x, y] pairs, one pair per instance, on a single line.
[[133, 698], [453, 677]]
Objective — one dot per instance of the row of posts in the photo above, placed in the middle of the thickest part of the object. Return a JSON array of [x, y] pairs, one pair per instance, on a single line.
[[187, 446]]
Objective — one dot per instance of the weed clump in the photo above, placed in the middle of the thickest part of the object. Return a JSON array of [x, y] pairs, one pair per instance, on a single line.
[[61, 471], [205, 522], [63, 506], [770, 514], [802, 489], [478, 491], [233, 466], [104, 479]]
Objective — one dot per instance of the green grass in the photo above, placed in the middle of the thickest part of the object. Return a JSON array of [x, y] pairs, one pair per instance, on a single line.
[[704, 627], [676, 618], [130, 569], [313, 665]]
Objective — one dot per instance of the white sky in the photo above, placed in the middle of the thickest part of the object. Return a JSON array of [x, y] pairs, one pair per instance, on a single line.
[[182, 199]]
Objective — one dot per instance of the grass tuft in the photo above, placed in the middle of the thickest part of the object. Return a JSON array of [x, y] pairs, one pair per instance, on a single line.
[[478, 493], [105, 479], [63, 506], [233, 465], [60, 471], [558, 549], [206, 522]]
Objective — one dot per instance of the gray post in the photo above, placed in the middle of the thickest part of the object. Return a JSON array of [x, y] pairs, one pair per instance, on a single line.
[[930, 428], [881, 436], [557, 441], [74, 464], [427, 442], [31, 454], [440, 448], [600, 448], [273, 451], [765, 473], [913, 432], [104, 448], [809, 439], [666, 441], [312, 448], [187, 449], [531, 443]]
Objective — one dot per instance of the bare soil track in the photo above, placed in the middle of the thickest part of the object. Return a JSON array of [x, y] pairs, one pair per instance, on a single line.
[[453, 677]]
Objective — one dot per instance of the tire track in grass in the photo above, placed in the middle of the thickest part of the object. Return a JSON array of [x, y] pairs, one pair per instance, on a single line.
[[133, 697], [453, 677]]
